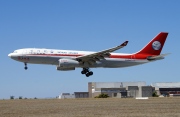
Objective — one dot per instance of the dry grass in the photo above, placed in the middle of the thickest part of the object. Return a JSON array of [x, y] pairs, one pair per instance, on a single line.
[[154, 107]]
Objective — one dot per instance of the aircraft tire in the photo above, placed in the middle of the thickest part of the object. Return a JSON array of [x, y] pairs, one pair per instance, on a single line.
[[25, 68], [83, 72], [87, 75], [90, 73]]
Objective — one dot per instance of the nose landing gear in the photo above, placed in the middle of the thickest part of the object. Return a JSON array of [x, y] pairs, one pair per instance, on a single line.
[[86, 72], [25, 66]]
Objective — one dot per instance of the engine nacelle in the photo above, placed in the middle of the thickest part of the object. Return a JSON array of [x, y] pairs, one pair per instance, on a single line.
[[68, 63], [65, 68]]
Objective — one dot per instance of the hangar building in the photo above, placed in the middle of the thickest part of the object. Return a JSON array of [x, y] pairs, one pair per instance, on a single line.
[[126, 89], [120, 89], [167, 88]]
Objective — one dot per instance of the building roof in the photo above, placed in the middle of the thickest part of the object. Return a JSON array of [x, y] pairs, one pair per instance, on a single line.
[[166, 84]]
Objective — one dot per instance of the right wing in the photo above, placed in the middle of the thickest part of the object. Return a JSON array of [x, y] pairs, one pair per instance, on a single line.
[[92, 58]]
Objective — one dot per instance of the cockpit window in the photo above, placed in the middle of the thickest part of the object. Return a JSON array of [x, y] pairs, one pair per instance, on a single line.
[[15, 52]]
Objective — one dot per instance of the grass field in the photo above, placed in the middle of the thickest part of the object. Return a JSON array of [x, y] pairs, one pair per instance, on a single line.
[[111, 107]]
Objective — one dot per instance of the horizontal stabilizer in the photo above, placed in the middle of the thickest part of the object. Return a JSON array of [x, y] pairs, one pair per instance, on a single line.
[[157, 57]]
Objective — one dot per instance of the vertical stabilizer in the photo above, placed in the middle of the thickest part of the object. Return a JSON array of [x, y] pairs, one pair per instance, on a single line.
[[155, 46]]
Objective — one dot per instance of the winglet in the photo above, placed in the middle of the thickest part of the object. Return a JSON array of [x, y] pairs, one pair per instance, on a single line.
[[124, 44]]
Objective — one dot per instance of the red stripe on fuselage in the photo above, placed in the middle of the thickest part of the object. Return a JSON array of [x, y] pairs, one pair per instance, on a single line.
[[131, 56]]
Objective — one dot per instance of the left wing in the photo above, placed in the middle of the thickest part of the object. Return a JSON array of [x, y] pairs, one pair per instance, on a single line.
[[92, 58]]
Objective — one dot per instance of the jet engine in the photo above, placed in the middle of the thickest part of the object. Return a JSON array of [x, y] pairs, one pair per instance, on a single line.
[[65, 68], [67, 64]]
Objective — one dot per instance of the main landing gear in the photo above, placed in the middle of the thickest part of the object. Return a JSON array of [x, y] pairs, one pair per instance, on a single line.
[[25, 66], [87, 72]]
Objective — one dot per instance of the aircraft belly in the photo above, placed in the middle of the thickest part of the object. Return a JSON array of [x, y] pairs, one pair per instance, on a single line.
[[116, 63], [106, 63], [43, 60], [98, 64]]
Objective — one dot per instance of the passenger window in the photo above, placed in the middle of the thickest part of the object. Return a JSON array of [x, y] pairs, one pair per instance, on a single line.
[[31, 51], [38, 51]]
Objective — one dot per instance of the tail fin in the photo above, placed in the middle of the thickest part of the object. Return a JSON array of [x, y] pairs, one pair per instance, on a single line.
[[155, 46]]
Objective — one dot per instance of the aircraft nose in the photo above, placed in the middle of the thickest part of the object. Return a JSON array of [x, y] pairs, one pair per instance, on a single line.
[[9, 55]]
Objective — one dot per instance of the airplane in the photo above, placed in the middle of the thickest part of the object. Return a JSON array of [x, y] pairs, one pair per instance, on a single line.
[[66, 60]]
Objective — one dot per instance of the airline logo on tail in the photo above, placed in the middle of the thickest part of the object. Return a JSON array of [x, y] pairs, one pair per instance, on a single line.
[[156, 45]]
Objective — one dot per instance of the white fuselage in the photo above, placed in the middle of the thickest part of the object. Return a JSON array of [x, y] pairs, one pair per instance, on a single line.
[[52, 56], [66, 60]]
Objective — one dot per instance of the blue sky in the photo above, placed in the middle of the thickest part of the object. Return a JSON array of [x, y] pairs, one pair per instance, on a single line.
[[92, 25]]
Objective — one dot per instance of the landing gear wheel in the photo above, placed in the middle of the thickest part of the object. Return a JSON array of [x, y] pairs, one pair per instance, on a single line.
[[83, 72], [90, 73], [86, 72], [87, 75], [25, 66]]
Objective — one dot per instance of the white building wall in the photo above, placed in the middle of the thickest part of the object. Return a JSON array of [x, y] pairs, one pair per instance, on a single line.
[[117, 84], [66, 96]]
